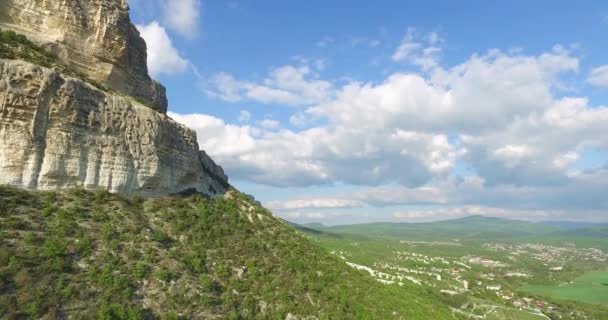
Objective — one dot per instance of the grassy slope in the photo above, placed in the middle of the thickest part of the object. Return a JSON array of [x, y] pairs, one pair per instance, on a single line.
[[591, 288], [97, 255]]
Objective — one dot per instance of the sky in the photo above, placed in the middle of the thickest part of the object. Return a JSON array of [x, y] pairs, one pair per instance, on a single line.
[[344, 112]]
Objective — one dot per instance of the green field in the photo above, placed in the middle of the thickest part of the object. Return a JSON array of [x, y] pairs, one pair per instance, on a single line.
[[512, 314], [590, 288]]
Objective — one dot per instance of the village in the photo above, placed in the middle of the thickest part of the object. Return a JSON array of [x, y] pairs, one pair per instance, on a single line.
[[482, 284]]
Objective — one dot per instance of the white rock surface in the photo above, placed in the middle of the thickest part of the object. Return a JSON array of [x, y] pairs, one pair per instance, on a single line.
[[58, 132], [93, 37]]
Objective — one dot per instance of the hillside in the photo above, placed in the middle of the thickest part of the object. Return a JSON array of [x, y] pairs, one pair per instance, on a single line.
[[592, 231], [83, 254]]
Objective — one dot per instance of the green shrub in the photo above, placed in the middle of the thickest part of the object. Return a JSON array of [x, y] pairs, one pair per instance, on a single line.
[[103, 264], [164, 275], [118, 312], [53, 248]]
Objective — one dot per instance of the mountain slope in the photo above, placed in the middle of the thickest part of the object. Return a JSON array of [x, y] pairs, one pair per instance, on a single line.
[[598, 230], [82, 254]]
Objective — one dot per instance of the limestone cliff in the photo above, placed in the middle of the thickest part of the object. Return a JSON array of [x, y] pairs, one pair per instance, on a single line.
[[58, 132], [94, 37]]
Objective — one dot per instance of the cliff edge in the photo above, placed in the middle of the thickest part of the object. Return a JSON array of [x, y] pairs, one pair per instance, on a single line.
[[94, 37], [60, 131]]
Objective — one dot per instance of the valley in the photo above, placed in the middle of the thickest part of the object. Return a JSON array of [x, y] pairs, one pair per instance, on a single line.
[[479, 278]]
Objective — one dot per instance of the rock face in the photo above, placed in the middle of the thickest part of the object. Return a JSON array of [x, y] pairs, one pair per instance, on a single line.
[[58, 132], [94, 37]]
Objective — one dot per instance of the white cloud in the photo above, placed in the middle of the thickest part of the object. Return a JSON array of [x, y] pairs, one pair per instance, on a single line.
[[599, 76], [422, 51], [512, 155], [320, 155], [163, 57], [226, 87], [464, 211], [182, 16], [562, 161], [244, 116], [300, 120], [318, 203], [497, 114], [287, 85], [387, 196], [269, 124], [305, 216], [220, 139]]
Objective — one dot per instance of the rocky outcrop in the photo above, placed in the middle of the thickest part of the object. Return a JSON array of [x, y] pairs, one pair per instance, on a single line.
[[94, 37], [60, 132]]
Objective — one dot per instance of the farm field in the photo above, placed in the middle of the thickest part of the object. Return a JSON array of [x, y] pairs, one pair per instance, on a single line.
[[590, 288]]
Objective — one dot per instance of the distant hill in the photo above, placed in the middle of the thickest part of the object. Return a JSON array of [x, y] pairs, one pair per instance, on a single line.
[[94, 255], [314, 225], [570, 224], [594, 231], [472, 227]]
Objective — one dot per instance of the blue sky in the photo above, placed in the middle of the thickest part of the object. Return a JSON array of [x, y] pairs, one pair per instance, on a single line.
[[344, 112]]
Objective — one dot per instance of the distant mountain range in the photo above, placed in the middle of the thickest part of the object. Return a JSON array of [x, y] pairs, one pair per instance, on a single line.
[[471, 228]]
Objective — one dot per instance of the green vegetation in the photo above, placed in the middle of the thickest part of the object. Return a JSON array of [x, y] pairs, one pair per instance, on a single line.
[[591, 288], [513, 269], [14, 46], [510, 314], [95, 255]]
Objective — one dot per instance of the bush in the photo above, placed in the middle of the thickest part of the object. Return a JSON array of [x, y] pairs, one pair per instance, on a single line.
[[53, 248], [164, 275], [118, 312]]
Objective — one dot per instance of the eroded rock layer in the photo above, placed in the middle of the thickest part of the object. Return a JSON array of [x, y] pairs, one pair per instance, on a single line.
[[94, 37], [58, 132]]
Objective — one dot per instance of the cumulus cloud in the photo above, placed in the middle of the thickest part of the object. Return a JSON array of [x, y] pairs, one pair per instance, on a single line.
[[512, 155], [244, 116], [581, 193], [163, 57], [318, 203], [500, 113], [498, 108], [269, 124], [221, 139], [464, 211], [287, 85], [419, 50], [324, 155], [182, 16], [599, 76], [485, 93], [562, 161], [305, 216]]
